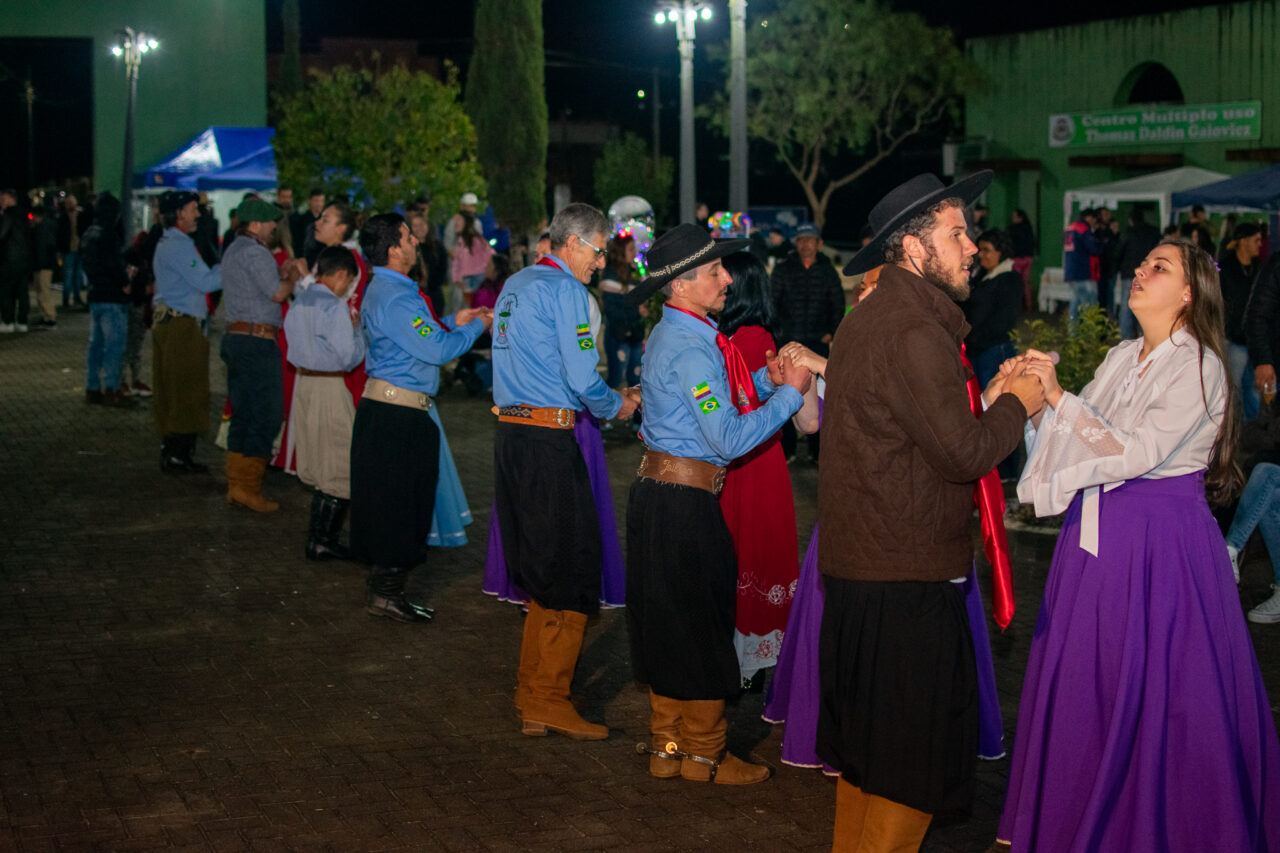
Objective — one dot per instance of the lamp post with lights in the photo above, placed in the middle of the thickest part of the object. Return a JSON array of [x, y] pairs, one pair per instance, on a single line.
[[131, 47], [684, 14]]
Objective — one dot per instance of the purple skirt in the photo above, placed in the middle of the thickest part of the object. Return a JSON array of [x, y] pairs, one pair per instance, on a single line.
[[613, 578], [1144, 724], [794, 692]]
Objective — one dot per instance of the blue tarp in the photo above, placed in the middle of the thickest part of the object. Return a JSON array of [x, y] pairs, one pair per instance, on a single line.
[[1259, 189], [255, 172], [214, 149]]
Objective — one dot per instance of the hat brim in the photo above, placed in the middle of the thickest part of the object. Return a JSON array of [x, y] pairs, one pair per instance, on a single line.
[[646, 288], [871, 255]]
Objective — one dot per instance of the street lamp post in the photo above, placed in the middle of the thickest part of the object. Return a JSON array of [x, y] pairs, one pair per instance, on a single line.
[[131, 48], [684, 14], [738, 105]]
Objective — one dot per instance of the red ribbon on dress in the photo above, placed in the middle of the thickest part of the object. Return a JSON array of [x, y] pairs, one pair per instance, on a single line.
[[741, 385], [988, 494]]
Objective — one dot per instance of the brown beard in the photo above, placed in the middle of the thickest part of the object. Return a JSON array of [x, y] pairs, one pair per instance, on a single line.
[[934, 273]]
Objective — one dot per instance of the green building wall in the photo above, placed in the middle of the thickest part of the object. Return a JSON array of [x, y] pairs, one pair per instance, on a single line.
[[211, 69], [1216, 53]]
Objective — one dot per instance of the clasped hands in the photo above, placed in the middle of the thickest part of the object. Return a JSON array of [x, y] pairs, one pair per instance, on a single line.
[[795, 365], [1031, 377], [466, 315]]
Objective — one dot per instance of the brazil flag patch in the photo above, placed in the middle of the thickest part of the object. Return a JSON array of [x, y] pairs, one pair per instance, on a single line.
[[709, 405], [585, 343], [421, 326]]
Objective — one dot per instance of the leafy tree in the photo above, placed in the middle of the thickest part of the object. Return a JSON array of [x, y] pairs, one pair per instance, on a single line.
[[507, 103], [833, 77], [626, 167], [386, 137], [1081, 345]]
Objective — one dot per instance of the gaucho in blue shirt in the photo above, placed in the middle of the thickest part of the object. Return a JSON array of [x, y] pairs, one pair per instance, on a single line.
[[395, 445], [682, 572], [544, 372]]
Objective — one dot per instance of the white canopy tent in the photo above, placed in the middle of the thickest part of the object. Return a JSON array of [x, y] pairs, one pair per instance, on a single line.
[[1157, 187]]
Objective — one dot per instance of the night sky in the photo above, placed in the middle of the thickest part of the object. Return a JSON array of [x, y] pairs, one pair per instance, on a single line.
[[599, 52]]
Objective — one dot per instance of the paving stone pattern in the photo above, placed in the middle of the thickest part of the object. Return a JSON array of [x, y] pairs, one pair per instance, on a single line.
[[177, 677]]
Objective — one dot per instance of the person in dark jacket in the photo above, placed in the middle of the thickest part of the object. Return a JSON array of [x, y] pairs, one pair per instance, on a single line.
[[1080, 260], [15, 264], [1133, 246], [44, 248], [1238, 268], [1022, 243], [1262, 326], [73, 221], [103, 259], [809, 302], [995, 297]]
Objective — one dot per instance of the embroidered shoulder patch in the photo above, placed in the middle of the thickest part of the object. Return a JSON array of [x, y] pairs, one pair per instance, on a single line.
[[421, 326], [585, 343], [584, 331], [709, 405], [700, 391]]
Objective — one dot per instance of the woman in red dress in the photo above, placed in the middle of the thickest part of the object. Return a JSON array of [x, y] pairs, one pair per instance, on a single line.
[[756, 500]]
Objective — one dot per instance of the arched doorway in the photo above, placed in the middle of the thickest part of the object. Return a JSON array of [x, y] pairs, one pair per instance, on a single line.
[[1149, 83]]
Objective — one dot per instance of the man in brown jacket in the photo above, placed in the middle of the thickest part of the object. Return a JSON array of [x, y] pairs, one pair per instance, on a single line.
[[898, 715]]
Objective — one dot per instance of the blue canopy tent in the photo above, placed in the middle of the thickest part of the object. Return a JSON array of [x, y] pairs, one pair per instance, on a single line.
[[1257, 190], [213, 149], [255, 172]]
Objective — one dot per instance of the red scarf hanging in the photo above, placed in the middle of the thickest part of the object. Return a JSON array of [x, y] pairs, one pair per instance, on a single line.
[[988, 494], [432, 309], [743, 387]]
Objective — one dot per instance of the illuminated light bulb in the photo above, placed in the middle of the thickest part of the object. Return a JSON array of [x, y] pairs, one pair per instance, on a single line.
[[706, 13], [659, 18], [152, 43], [672, 15], [639, 93], [117, 50]]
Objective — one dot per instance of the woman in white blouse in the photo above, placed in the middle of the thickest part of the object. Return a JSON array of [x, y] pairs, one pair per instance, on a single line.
[[1144, 724]]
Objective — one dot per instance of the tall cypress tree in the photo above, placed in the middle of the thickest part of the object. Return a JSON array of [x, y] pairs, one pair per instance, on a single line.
[[507, 102]]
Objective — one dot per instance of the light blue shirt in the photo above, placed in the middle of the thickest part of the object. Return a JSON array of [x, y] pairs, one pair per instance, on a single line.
[[404, 346], [182, 278], [688, 407], [543, 350], [319, 331]]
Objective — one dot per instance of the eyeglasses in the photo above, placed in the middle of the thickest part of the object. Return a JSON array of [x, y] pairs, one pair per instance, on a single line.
[[587, 243]]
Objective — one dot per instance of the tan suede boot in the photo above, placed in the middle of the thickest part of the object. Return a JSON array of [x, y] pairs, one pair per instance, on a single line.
[[528, 653], [547, 706], [703, 728], [244, 482], [664, 729]]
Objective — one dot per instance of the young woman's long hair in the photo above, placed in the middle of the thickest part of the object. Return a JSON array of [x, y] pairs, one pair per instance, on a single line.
[[750, 298], [616, 259], [470, 231], [1204, 317]]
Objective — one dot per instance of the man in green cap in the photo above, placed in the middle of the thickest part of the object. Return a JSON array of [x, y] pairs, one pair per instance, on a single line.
[[253, 287]]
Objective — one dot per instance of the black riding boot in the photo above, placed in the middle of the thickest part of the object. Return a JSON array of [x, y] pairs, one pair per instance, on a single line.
[[386, 596], [327, 515]]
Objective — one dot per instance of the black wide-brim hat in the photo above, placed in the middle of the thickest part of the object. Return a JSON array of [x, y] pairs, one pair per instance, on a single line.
[[905, 201], [681, 249], [175, 200]]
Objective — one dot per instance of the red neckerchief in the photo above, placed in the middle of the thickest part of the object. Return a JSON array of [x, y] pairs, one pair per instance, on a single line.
[[432, 308], [988, 494], [741, 384], [547, 262]]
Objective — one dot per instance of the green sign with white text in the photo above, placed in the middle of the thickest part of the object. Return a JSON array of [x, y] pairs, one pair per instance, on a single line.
[[1157, 125]]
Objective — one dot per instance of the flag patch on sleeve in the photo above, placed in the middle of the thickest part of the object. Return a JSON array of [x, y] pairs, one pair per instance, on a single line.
[[700, 391], [585, 343], [709, 405], [421, 326], [584, 331]]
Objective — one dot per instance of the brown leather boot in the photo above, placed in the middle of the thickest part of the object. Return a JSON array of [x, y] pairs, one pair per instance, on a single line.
[[664, 730], [547, 706], [703, 728], [244, 482], [528, 653]]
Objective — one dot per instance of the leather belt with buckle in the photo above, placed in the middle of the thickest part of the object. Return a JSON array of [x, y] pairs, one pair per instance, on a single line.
[[306, 371], [257, 330], [385, 392], [681, 471], [542, 416]]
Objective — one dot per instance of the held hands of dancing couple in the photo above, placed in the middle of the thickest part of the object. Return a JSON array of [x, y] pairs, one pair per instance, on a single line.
[[1031, 377]]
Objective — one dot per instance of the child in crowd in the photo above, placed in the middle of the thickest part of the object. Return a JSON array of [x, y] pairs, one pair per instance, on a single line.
[[325, 342]]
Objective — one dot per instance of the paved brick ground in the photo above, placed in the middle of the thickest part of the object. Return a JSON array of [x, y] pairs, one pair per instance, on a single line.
[[177, 677]]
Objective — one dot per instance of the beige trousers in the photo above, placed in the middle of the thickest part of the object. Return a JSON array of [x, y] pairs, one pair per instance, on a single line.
[[323, 415], [42, 285]]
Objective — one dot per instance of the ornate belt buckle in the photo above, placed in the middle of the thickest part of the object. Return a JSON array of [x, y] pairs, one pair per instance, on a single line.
[[389, 393], [564, 417]]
